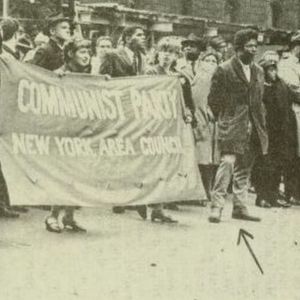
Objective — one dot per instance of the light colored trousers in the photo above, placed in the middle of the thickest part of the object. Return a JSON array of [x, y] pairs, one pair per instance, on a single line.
[[238, 168]]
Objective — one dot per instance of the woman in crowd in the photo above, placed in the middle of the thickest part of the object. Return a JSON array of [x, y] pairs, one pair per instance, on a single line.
[[205, 130], [77, 60], [167, 53], [103, 45]]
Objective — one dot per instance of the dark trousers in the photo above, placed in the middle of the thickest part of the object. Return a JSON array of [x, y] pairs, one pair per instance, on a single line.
[[268, 172], [208, 173]]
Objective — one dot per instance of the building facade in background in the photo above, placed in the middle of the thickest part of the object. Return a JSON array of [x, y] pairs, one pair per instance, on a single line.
[[284, 14]]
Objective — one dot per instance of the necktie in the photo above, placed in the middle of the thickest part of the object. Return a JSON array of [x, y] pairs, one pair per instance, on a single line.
[[136, 64], [193, 67]]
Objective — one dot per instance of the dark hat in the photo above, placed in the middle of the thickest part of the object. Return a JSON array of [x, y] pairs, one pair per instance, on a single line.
[[266, 63], [54, 19], [57, 18], [243, 36], [192, 38], [216, 42]]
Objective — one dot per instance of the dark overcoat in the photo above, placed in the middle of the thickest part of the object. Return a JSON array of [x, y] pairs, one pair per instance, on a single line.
[[236, 103], [50, 56], [118, 64]]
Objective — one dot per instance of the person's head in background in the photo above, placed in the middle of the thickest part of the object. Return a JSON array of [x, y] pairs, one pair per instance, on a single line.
[[192, 47], [78, 55], [269, 63], [167, 53], [245, 44], [218, 44], [59, 29], [10, 32], [41, 40], [134, 38], [294, 45], [104, 45], [209, 61]]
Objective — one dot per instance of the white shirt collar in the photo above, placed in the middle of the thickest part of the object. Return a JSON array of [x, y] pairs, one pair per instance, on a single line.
[[247, 70]]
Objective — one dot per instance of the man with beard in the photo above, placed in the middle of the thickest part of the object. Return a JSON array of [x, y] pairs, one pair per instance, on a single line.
[[51, 56], [236, 100], [191, 47], [128, 60]]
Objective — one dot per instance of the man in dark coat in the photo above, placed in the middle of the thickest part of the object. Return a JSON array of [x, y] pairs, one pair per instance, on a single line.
[[289, 71], [236, 102], [278, 99], [9, 37], [51, 56], [128, 60]]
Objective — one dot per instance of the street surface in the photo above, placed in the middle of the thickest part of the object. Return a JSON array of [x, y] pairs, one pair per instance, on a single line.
[[125, 258]]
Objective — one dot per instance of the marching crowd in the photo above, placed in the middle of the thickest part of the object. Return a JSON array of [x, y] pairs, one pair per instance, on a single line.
[[244, 115]]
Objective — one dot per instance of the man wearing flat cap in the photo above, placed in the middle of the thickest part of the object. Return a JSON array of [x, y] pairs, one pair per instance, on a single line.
[[289, 71], [192, 46], [219, 46], [236, 100], [51, 56]]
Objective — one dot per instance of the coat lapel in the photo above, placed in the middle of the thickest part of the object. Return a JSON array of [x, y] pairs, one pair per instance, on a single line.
[[240, 72], [253, 75]]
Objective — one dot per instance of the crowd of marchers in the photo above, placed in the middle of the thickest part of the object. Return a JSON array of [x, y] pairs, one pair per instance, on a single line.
[[244, 111]]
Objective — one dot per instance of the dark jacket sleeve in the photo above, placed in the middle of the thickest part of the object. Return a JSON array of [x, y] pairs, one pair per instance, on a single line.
[[216, 97], [107, 65], [40, 58]]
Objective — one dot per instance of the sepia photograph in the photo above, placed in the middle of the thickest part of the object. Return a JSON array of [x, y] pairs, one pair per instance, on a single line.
[[149, 149]]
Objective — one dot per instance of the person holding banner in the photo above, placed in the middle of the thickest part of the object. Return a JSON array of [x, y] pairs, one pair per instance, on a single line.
[[51, 56], [167, 54], [128, 60], [77, 60]]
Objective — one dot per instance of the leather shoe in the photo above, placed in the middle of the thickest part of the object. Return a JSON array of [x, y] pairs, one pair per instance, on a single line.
[[72, 225], [52, 225], [8, 213], [215, 215], [294, 201], [281, 203], [263, 203], [160, 216], [142, 211], [242, 214], [118, 209]]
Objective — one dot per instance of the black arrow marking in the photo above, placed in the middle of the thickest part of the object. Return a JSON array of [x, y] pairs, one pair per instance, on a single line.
[[243, 233]]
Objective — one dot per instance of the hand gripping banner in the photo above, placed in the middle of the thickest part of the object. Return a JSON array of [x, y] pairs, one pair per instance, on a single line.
[[81, 140]]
